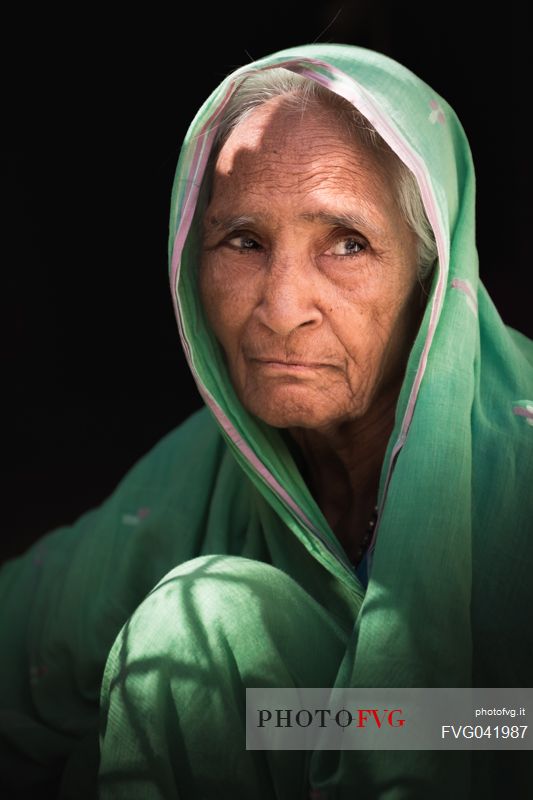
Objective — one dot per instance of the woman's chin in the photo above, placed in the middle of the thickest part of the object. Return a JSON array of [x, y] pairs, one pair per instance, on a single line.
[[293, 411]]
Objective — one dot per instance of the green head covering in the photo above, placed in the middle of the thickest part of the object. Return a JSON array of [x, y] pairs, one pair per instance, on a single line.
[[448, 598], [457, 469]]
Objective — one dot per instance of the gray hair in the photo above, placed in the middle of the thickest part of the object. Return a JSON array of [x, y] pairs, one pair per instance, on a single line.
[[262, 86]]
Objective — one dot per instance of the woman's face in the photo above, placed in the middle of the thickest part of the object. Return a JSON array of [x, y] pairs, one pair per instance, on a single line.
[[308, 271]]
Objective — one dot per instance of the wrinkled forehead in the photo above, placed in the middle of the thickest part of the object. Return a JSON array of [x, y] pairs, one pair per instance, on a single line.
[[287, 156], [278, 128]]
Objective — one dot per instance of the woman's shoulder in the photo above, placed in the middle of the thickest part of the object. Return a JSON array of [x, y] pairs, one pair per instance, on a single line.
[[506, 354], [176, 474], [187, 449], [522, 343]]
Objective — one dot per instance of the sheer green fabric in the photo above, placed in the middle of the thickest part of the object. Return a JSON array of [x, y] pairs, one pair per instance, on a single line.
[[449, 594]]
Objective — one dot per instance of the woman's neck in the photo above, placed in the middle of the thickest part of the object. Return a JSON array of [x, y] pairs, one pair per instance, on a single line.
[[344, 461]]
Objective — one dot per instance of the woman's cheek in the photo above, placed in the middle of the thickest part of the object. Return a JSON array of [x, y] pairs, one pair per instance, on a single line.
[[224, 292]]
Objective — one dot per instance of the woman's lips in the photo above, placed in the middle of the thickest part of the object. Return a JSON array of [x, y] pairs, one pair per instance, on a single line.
[[271, 365]]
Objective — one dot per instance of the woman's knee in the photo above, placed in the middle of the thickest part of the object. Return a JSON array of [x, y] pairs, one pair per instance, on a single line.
[[173, 694], [216, 608]]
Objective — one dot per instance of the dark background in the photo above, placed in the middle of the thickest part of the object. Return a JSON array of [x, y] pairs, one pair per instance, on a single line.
[[96, 112]]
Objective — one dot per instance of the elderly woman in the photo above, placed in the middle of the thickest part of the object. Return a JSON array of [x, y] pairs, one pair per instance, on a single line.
[[353, 507]]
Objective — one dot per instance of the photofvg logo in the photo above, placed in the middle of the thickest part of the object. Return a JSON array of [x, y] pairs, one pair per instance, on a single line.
[[304, 717], [320, 718], [387, 719]]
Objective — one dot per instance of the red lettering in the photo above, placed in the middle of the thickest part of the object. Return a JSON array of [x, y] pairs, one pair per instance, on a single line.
[[375, 714], [363, 714]]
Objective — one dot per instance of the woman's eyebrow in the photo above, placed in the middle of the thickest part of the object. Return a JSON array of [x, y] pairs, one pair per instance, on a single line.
[[342, 220], [349, 220], [230, 222]]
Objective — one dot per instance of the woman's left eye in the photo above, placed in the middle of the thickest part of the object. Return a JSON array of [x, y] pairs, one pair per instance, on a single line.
[[345, 247]]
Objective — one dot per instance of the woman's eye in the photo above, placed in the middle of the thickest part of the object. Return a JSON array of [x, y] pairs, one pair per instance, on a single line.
[[345, 247], [242, 243]]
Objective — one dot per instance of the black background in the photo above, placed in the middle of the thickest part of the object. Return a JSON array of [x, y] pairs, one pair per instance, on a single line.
[[96, 112]]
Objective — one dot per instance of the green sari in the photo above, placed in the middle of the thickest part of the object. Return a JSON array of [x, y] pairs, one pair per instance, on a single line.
[[128, 638]]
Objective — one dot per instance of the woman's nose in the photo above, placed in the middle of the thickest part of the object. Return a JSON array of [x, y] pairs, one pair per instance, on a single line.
[[289, 297]]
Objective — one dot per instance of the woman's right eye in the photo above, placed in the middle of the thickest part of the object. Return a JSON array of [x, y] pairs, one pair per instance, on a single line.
[[243, 243]]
